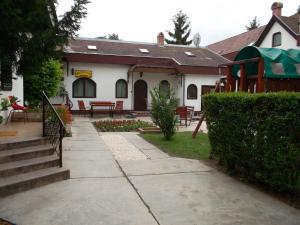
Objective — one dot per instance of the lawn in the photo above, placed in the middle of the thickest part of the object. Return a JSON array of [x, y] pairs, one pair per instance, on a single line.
[[182, 144]]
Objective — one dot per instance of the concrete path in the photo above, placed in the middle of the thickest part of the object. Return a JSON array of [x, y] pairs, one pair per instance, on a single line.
[[118, 178]]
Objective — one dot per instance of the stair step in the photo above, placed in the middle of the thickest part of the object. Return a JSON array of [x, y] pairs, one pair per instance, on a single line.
[[26, 181], [28, 165], [23, 143], [26, 153]]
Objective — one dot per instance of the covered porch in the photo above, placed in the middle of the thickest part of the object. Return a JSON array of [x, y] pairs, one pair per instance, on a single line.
[[143, 78]]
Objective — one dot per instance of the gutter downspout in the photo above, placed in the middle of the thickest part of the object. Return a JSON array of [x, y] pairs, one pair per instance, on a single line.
[[183, 88]]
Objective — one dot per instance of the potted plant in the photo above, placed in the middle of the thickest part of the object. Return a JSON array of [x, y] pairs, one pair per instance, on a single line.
[[4, 105]]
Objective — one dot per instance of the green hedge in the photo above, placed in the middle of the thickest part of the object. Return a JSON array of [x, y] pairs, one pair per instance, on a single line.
[[259, 134]]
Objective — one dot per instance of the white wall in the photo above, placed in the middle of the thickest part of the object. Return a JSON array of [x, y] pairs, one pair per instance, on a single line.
[[17, 89], [287, 40], [153, 80], [198, 80], [105, 77]]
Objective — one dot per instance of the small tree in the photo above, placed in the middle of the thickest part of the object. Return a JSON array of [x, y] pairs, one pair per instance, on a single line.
[[47, 79], [163, 111], [181, 30], [253, 24]]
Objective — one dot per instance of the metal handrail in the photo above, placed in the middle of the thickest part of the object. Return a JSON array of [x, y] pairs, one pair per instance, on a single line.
[[57, 130]]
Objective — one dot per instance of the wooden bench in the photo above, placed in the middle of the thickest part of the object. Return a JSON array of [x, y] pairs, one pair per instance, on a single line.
[[105, 105]]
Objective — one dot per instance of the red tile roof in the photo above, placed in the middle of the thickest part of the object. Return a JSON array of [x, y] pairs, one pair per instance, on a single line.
[[201, 56], [236, 43]]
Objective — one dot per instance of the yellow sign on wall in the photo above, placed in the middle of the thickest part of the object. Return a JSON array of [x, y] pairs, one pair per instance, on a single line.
[[83, 73]]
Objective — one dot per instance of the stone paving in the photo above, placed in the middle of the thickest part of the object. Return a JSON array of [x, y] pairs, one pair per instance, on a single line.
[[111, 187]]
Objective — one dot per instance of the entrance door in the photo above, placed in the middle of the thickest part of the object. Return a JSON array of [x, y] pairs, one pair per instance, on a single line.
[[140, 95]]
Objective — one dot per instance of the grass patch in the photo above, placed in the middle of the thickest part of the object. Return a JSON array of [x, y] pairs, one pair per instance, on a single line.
[[182, 144]]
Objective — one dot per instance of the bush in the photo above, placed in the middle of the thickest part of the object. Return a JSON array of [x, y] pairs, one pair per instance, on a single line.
[[163, 111], [257, 133], [64, 114]]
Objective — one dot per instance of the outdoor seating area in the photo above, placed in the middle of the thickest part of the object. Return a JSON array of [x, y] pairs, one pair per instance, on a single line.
[[101, 107]]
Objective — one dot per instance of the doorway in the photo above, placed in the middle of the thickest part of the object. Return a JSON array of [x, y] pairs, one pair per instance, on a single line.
[[140, 95]]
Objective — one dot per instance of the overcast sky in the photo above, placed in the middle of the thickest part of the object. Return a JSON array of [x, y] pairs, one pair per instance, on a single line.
[[141, 20]]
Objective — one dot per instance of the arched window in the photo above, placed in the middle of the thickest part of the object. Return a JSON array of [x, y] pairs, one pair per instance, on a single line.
[[276, 40], [192, 91], [164, 87], [121, 89], [84, 88]]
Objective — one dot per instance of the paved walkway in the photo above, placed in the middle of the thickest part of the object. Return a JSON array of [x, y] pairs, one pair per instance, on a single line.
[[118, 178]]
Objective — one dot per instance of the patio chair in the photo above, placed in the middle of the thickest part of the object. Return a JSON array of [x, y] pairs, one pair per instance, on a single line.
[[185, 113], [82, 108], [119, 107], [16, 107]]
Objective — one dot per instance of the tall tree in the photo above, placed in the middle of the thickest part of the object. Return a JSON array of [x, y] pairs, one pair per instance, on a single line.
[[112, 36], [253, 24], [31, 33], [181, 30]]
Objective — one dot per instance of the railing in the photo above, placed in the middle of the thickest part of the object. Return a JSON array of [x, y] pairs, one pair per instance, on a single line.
[[53, 126]]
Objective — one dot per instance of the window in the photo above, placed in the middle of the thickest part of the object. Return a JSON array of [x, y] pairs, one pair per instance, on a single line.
[[6, 77], [84, 88], [164, 87], [92, 47], [192, 91], [277, 68], [190, 54], [144, 50], [121, 89], [276, 40]]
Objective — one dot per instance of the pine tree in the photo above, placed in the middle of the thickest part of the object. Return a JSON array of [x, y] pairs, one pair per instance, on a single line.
[[181, 30], [253, 24]]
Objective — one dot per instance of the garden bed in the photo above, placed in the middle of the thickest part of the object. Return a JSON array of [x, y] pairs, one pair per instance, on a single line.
[[120, 125]]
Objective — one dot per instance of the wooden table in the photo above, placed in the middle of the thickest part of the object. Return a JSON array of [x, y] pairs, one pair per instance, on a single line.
[[108, 106]]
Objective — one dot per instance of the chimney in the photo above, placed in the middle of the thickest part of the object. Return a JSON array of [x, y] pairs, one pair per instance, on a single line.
[[298, 36], [160, 39], [276, 8]]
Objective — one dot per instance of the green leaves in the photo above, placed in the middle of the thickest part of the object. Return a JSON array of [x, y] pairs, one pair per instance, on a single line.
[[181, 30], [47, 79], [257, 133], [32, 34]]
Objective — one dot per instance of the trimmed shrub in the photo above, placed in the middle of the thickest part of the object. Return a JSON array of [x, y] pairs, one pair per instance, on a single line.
[[257, 133]]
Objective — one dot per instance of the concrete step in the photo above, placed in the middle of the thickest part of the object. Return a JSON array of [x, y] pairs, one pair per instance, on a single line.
[[23, 143], [28, 165], [26, 181], [26, 153]]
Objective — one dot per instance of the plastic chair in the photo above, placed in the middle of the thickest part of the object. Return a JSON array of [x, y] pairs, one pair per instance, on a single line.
[[82, 108], [119, 107], [16, 107]]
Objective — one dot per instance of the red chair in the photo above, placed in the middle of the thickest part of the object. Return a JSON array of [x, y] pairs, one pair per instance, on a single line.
[[82, 108], [119, 107], [185, 113], [16, 107]]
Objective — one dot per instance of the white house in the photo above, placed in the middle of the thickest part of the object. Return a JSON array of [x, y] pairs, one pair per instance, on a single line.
[[107, 70], [280, 32]]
